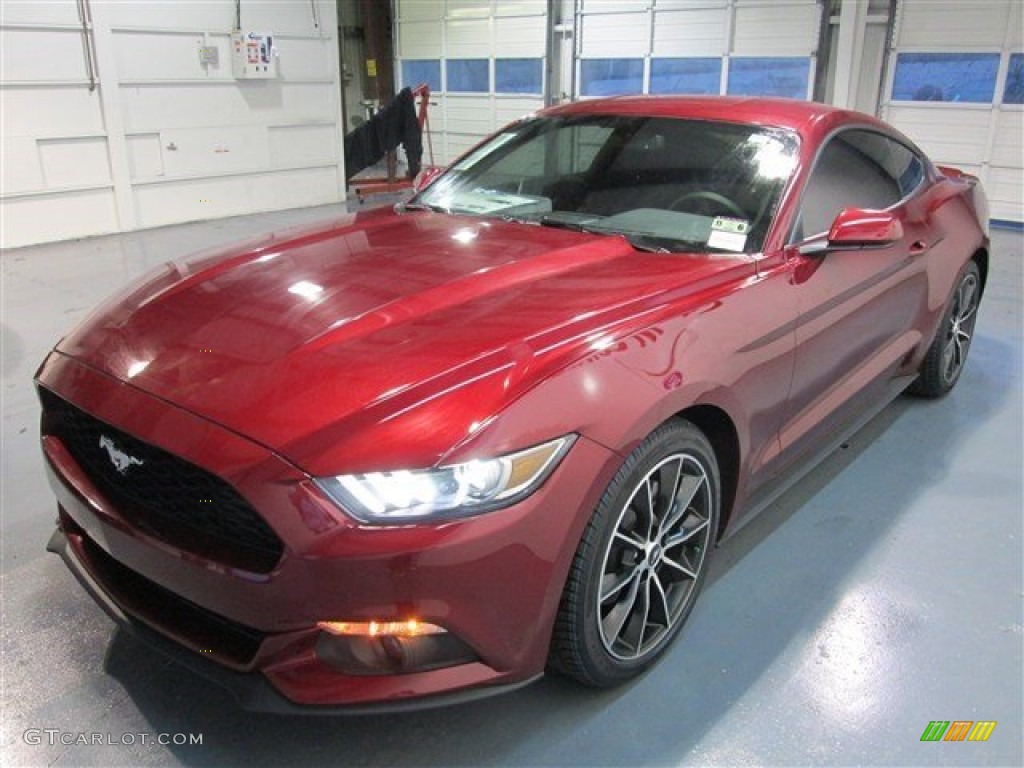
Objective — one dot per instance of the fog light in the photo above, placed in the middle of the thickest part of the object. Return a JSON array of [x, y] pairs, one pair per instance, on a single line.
[[389, 647], [410, 628]]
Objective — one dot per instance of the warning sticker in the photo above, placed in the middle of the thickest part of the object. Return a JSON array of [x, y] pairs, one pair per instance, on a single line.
[[727, 241], [726, 224]]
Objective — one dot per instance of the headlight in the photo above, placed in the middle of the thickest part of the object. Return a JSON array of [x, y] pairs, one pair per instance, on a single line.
[[458, 490]]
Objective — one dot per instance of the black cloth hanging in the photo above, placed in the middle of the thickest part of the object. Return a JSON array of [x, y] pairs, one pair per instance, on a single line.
[[394, 124]]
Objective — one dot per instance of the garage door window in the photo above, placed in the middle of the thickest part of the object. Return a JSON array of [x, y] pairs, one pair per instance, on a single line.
[[697, 75], [468, 75], [769, 76], [611, 77], [1013, 93], [416, 71], [963, 77], [519, 76]]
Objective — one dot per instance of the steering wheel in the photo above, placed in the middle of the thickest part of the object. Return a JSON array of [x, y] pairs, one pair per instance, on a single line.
[[709, 197]]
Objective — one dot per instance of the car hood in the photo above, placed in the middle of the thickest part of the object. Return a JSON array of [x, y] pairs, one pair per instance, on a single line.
[[378, 340]]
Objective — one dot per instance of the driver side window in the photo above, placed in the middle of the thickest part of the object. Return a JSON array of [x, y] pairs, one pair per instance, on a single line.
[[854, 170]]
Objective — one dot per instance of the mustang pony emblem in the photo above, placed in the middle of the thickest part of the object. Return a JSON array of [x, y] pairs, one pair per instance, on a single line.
[[121, 460]]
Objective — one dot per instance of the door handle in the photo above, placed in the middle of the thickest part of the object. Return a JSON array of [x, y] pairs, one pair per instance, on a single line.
[[918, 247]]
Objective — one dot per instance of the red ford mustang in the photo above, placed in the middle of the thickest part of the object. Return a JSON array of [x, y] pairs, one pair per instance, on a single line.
[[413, 456]]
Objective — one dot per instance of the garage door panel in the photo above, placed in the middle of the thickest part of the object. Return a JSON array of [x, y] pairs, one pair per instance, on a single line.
[[689, 5], [520, 36], [698, 32], [67, 215], [436, 111], [960, 154], [469, 114], [940, 122], [937, 24], [420, 10], [614, 6], [468, 39], [1015, 26], [157, 107], [52, 12], [947, 136], [615, 35], [20, 53], [508, 109], [305, 59], [419, 39], [65, 110], [467, 9], [166, 14], [1005, 193], [773, 29], [158, 56], [169, 203], [75, 162], [521, 8], [21, 169], [1008, 147], [201, 150], [278, 16]]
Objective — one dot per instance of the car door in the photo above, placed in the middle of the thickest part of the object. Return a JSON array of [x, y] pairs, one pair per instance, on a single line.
[[857, 307]]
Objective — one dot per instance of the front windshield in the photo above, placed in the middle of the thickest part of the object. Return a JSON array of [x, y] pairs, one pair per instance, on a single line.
[[665, 183]]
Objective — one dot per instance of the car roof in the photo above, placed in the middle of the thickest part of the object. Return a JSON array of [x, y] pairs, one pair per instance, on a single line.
[[804, 117]]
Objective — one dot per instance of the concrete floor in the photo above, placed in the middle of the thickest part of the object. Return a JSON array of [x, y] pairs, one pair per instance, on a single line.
[[881, 593]]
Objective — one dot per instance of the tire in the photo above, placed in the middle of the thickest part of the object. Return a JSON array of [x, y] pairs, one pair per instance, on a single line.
[[635, 576], [945, 359]]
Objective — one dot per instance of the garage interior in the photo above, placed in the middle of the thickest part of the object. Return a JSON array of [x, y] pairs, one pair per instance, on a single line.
[[882, 592]]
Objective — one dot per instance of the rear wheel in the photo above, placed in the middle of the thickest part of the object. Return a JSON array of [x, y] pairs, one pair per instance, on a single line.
[[947, 355], [642, 559]]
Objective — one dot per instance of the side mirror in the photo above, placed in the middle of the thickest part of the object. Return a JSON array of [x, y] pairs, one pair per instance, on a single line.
[[426, 177], [857, 228]]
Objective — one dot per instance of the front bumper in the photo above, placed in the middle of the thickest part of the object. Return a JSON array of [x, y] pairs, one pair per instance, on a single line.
[[494, 581], [252, 692]]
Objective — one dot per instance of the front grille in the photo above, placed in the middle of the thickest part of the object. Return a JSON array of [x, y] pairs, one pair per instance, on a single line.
[[163, 495], [226, 640]]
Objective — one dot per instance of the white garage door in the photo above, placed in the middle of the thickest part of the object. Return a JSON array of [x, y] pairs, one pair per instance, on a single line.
[[111, 121], [741, 47], [956, 86], [490, 69]]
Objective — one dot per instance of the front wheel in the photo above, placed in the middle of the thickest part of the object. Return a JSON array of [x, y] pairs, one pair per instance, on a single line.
[[642, 559], [947, 355]]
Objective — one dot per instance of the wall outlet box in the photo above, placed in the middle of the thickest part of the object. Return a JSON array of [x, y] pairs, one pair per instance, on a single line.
[[209, 56]]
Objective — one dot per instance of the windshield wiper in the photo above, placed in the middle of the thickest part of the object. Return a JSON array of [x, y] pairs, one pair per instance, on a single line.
[[407, 206], [640, 241], [650, 243], [553, 221], [646, 243]]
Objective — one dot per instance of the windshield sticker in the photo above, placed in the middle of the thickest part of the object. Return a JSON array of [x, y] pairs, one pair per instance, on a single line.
[[485, 201], [725, 224], [727, 241]]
